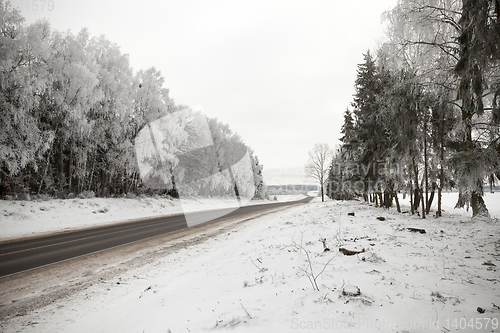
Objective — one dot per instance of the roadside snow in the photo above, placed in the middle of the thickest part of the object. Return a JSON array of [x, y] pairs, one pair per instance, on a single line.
[[253, 279], [29, 218]]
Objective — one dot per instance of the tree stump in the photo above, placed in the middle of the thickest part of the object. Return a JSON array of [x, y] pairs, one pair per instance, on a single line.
[[351, 290], [422, 231]]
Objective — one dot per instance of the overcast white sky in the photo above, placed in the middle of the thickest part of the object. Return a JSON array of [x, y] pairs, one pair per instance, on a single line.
[[280, 73]]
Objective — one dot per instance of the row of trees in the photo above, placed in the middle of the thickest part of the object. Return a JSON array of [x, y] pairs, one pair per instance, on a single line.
[[426, 112], [71, 110]]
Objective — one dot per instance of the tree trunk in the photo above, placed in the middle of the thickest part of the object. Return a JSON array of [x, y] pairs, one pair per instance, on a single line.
[[48, 161], [70, 168], [105, 189], [92, 172], [426, 164], [45, 170], [417, 189], [233, 181], [423, 205], [491, 180], [426, 169], [124, 186], [429, 203], [62, 178], [134, 175], [478, 205], [395, 194], [28, 184], [416, 198], [439, 211], [412, 207], [81, 178], [112, 182], [387, 200], [441, 168]]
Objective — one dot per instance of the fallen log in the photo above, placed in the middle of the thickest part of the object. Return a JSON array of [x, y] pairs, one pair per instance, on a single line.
[[350, 252], [422, 231]]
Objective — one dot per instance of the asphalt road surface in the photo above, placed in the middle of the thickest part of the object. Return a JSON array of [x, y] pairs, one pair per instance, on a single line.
[[21, 255]]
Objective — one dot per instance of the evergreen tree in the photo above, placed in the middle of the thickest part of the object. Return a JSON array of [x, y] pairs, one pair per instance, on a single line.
[[479, 49], [370, 127]]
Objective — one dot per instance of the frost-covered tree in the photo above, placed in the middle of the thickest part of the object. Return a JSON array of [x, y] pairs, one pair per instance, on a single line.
[[479, 51], [260, 185], [72, 110], [340, 179], [23, 82], [371, 127], [72, 93], [452, 47], [318, 165]]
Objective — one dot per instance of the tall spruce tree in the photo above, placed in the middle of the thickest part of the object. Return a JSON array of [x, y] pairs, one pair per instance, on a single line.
[[370, 128], [479, 50]]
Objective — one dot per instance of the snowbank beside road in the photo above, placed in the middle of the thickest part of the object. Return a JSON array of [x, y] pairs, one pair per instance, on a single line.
[[29, 218], [254, 279]]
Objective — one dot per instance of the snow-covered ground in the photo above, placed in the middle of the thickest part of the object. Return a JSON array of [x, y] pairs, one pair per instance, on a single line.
[[492, 201], [29, 218], [254, 279]]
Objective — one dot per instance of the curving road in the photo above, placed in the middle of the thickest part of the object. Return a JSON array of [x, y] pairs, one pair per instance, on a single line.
[[21, 255]]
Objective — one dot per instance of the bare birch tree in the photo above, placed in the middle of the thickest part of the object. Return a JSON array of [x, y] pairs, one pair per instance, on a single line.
[[318, 164]]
